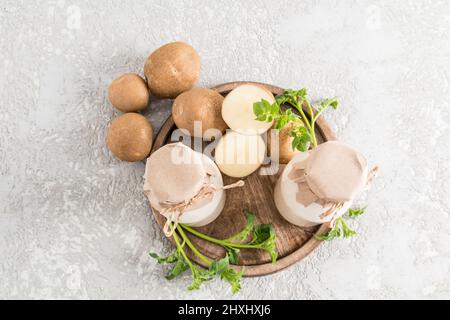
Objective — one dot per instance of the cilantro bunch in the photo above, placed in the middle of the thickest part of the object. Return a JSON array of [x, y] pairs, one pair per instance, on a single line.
[[261, 236]]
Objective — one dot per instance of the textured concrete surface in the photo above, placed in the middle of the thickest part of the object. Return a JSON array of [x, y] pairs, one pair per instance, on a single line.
[[74, 222]]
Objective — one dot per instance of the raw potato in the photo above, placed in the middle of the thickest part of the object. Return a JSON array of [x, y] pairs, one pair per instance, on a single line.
[[201, 105], [129, 93], [239, 155], [172, 69], [285, 151], [130, 137], [237, 109]]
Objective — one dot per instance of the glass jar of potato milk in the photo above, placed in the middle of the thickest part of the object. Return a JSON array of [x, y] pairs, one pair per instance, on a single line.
[[184, 186], [320, 185]]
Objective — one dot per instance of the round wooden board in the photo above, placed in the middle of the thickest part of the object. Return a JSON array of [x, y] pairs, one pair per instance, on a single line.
[[293, 243]]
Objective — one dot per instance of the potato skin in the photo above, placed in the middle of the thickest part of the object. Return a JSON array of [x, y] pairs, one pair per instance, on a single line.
[[286, 153], [199, 104], [172, 69], [130, 137], [129, 93]]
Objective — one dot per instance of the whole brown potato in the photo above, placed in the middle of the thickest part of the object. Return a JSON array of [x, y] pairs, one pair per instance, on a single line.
[[129, 93], [130, 137], [172, 69], [199, 104], [286, 153]]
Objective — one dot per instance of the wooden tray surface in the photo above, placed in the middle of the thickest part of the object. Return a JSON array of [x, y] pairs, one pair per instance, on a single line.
[[293, 243]]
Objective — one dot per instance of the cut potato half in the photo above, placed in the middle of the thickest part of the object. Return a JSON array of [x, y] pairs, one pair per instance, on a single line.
[[237, 109], [238, 155], [279, 144]]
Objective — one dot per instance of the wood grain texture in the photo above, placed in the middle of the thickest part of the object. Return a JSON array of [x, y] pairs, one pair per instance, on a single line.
[[293, 243]]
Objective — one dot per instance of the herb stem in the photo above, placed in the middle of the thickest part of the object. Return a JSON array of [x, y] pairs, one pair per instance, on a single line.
[[317, 116], [313, 135], [312, 123], [191, 246], [308, 123], [302, 113], [180, 248], [219, 242], [319, 112], [311, 111]]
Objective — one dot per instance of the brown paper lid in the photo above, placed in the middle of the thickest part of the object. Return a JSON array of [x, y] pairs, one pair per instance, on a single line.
[[173, 174], [304, 195], [335, 171]]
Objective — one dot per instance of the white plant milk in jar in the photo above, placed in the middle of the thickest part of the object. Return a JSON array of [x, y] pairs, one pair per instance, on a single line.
[[183, 185], [320, 185]]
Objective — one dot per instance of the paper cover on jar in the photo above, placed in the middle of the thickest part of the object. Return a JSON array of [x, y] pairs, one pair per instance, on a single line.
[[177, 178], [333, 172]]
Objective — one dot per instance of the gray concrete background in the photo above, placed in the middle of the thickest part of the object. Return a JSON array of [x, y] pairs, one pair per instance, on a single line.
[[74, 222]]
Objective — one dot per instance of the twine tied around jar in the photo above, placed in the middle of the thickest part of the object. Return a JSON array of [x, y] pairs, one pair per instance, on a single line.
[[174, 211], [371, 176], [331, 176]]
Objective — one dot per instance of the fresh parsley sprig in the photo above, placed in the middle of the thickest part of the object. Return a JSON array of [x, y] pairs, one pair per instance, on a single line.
[[262, 237], [264, 111], [341, 229], [356, 212], [181, 263]]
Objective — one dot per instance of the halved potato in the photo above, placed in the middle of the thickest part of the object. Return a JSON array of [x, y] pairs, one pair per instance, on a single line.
[[238, 155], [237, 109]]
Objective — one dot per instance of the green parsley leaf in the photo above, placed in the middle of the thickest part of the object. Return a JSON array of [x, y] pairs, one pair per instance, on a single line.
[[346, 231], [178, 269], [264, 111], [340, 229], [199, 276], [264, 238], [219, 266], [274, 108], [330, 235], [233, 278], [171, 258], [284, 118], [293, 97], [233, 254], [258, 109], [333, 102], [222, 267], [245, 232], [302, 138], [356, 212]]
